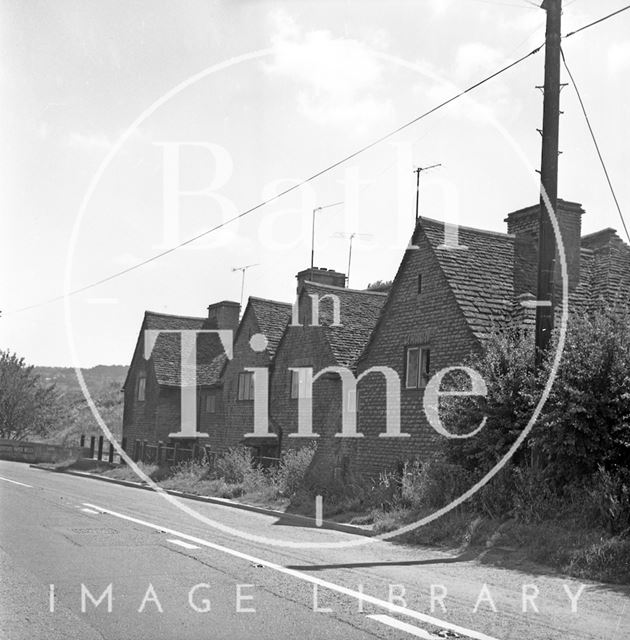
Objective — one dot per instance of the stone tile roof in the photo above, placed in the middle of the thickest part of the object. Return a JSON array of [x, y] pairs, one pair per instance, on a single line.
[[272, 317], [166, 353], [359, 312], [610, 277], [480, 276]]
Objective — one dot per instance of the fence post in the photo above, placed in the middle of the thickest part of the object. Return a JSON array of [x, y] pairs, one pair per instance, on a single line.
[[195, 452], [82, 441], [160, 444], [144, 449], [92, 444], [110, 457], [100, 448], [136, 450], [175, 447]]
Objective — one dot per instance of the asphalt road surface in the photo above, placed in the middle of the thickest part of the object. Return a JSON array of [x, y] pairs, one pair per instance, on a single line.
[[81, 558]]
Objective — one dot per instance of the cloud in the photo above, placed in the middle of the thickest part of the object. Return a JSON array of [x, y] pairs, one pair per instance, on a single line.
[[338, 78], [618, 57], [90, 141], [475, 57], [440, 6]]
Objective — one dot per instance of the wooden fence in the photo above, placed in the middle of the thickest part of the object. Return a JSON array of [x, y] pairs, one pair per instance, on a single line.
[[160, 453]]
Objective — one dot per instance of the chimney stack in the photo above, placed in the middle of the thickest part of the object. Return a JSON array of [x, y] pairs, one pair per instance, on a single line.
[[523, 224], [224, 315], [328, 277]]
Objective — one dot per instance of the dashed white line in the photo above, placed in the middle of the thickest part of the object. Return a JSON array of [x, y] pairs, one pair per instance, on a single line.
[[403, 626], [86, 510], [16, 482], [181, 543], [383, 604]]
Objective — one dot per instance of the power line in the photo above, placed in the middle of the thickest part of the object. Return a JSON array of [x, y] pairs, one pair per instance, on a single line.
[[286, 191], [599, 153], [310, 178], [590, 24]]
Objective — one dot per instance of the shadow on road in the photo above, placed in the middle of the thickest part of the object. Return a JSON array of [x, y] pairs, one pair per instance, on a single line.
[[464, 557]]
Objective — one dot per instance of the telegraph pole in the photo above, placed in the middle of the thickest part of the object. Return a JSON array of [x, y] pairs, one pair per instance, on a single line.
[[548, 179]]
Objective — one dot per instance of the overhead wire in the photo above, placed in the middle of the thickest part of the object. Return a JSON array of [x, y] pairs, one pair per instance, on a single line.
[[599, 153], [317, 174], [279, 195], [592, 24]]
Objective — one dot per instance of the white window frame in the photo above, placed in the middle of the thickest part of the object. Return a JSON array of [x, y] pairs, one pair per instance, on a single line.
[[421, 378]]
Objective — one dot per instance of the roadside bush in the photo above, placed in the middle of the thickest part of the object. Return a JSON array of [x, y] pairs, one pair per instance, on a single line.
[[609, 500], [496, 498], [385, 492], [289, 476], [234, 465], [535, 498], [433, 484]]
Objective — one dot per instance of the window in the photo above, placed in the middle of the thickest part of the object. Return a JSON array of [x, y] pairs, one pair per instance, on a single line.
[[246, 385], [210, 403], [417, 367], [141, 388], [298, 386]]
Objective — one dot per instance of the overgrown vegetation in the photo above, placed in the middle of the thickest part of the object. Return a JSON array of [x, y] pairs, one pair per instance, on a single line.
[[564, 499], [28, 407], [235, 474]]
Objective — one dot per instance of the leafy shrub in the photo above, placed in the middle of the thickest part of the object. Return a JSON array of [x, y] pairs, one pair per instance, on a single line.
[[433, 484], [385, 492], [535, 498], [585, 421], [496, 498], [609, 498], [293, 467], [234, 465]]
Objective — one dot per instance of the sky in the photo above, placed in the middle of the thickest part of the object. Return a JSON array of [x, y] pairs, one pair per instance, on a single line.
[[130, 127]]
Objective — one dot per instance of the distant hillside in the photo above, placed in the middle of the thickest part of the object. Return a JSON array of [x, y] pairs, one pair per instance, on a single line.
[[104, 383], [65, 378]]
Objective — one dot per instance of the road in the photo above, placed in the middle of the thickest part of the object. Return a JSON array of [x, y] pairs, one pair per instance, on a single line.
[[157, 571]]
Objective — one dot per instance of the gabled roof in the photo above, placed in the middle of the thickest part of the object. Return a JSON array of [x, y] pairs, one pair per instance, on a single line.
[[272, 317], [359, 312], [166, 354], [480, 276]]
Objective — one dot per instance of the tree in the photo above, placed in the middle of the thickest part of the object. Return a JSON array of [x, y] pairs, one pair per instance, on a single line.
[[27, 407], [383, 286], [585, 423]]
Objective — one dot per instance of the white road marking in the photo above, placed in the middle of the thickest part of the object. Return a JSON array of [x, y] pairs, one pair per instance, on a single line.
[[403, 626], [16, 482], [186, 545], [392, 608], [86, 510]]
